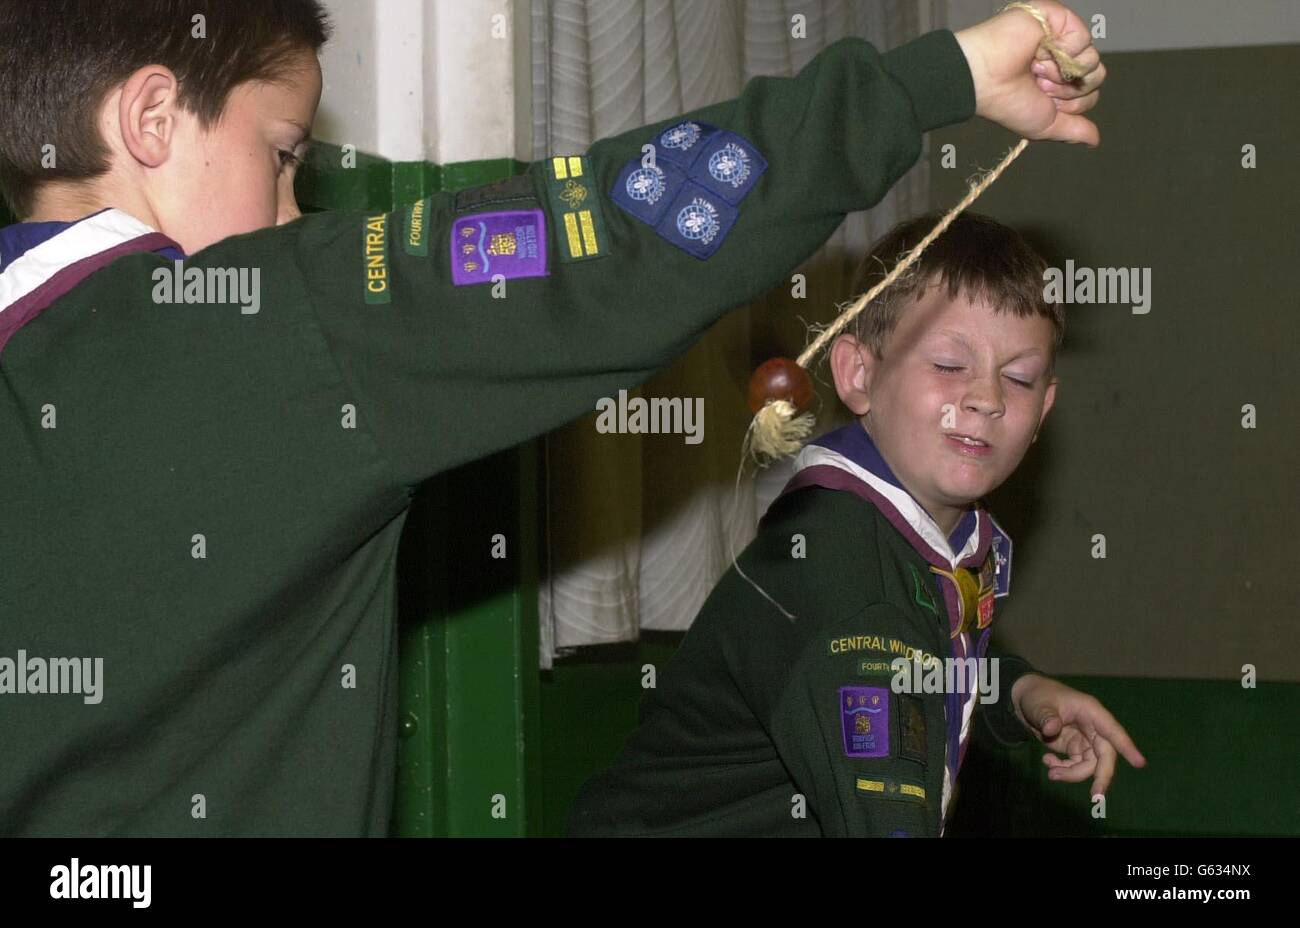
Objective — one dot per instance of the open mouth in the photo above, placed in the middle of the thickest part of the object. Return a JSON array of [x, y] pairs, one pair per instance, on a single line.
[[966, 444]]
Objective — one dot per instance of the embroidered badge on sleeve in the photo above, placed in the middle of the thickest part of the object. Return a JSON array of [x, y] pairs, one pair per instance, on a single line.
[[728, 166], [681, 144], [575, 209], [646, 191], [415, 237], [697, 221], [692, 189], [864, 718], [375, 257], [891, 789], [912, 741], [510, 244]]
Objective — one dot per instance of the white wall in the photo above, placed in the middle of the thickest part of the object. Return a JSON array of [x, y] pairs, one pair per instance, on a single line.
[[1142, 25], [427, 79]]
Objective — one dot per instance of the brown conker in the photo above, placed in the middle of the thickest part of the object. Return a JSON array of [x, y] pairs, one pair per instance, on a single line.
[[780, 379]]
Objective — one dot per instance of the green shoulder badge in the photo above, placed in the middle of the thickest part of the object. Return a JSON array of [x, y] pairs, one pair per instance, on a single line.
[[415, 237], [575, 209], [375, 259]]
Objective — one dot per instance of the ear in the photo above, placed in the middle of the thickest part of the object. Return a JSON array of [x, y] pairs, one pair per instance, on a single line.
[[852, 364], [147, 111]]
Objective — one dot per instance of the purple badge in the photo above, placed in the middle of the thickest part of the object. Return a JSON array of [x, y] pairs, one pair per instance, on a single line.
[[512, 244], [864, 716]]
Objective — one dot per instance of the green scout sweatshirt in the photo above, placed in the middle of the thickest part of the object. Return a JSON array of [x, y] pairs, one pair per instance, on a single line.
[[741, 735], [204, 500]]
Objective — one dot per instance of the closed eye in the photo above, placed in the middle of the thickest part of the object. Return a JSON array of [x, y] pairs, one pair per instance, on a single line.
[[952, 370]]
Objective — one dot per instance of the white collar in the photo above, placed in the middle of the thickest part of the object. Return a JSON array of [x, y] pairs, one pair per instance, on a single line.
[[83, 239]]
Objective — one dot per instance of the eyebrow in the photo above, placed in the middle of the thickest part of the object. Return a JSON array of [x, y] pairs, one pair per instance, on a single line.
[[958, 337]]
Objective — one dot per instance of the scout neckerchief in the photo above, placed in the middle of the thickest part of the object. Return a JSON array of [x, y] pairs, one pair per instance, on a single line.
[[42, 261], [971, 567]]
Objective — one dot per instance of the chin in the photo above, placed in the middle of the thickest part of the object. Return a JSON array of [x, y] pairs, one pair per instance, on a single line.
[[962, 493]]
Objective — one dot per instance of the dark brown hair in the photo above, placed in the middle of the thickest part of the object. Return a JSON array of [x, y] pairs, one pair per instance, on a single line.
[[60, 58], [976, 256]]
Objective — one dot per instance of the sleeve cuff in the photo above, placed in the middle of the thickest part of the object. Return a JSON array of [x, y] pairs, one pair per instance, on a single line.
[[937, 77], [1001, 717]]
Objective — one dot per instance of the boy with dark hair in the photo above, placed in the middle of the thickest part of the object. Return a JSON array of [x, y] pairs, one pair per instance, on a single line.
[[817, 715], [202, 502]]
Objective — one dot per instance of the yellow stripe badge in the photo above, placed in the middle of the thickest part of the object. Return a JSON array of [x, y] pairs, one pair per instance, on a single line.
[[575, 206], [891, 789]]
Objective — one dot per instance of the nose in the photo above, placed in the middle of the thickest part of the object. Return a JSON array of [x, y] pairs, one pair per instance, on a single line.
[[287, 211], [287, 208], [984, 396]]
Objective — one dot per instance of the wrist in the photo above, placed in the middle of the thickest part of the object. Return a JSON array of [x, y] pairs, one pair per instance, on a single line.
[[1018, 692], [971, 48]]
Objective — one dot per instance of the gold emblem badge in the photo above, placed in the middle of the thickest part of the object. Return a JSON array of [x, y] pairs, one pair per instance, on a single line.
[[503, 243], [574, 194]]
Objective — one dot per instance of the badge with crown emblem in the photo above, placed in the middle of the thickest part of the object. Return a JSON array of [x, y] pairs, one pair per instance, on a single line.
[[507, 243], [864, 719]]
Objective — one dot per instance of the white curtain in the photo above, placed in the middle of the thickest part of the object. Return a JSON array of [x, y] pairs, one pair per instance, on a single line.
[[637, 526]]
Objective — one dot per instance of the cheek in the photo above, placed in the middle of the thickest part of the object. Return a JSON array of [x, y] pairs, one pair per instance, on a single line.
[[259, 193], [242, 189], [933, 404]]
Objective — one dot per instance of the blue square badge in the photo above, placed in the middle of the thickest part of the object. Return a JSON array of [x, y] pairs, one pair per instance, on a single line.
[[728, 166], [681, 144], [646, 192], [697, 221]]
